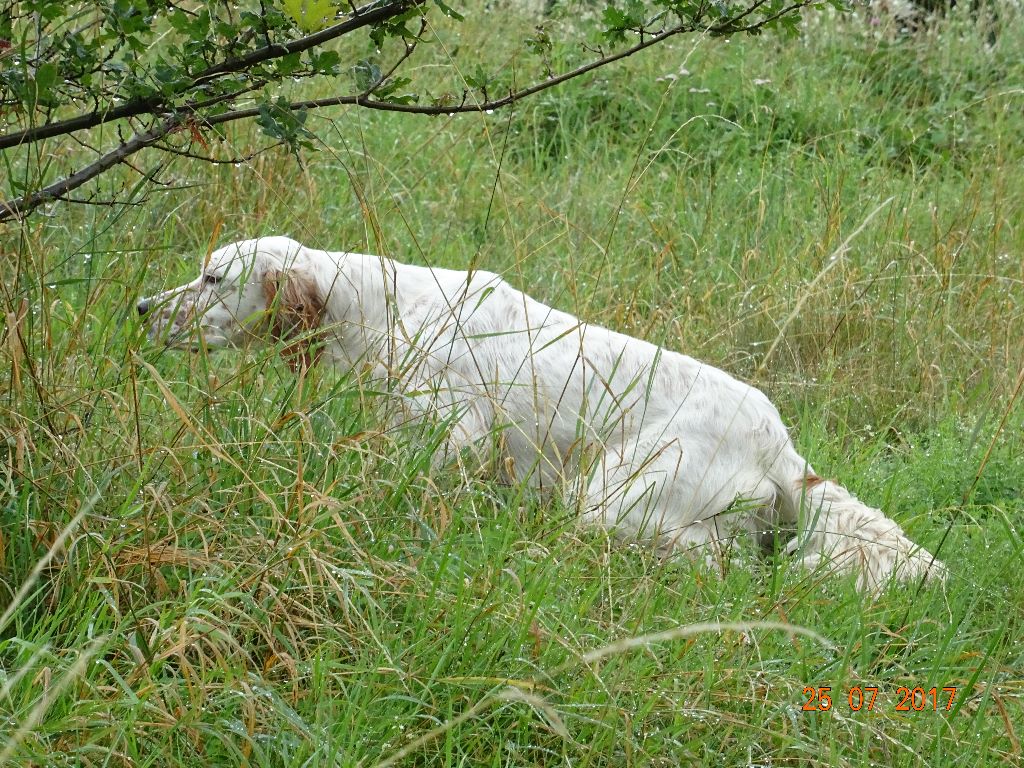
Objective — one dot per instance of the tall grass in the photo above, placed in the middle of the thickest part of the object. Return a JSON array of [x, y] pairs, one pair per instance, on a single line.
[[207, 561]]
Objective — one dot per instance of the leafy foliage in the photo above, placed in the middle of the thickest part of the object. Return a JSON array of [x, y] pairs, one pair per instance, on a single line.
[[153, 67]]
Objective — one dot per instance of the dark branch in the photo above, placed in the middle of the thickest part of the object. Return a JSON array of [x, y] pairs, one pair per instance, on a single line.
[[189, 114], [767, 20], [362, 100], [216, 160], [20, 206], [366, 16]]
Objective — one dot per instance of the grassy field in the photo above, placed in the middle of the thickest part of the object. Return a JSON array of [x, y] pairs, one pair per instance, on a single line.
[[205, 561]]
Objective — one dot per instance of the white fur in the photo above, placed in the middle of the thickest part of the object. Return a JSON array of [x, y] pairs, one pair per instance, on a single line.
[[646, 441]]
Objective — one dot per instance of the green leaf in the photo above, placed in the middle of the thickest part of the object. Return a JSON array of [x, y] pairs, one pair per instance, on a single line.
[[394, 27], [286, 65], [386, 92], [46, 77], [618, 21], [168, 77], [367, 73], [279, 121], [310, 15], [448, 11], [325, 62], [614, 19], [179, 21], [479, 78], [405, 98]]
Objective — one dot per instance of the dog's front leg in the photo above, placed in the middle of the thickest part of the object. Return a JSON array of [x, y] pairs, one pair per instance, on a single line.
[[456, 419]]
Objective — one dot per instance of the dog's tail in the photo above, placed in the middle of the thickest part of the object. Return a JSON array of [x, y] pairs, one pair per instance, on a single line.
[[839, 531]]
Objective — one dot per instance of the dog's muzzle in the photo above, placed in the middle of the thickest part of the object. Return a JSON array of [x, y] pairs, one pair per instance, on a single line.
[[160, 318]]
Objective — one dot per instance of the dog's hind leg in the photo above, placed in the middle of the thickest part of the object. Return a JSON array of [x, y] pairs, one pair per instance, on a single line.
[[659, 491], [837, 529]]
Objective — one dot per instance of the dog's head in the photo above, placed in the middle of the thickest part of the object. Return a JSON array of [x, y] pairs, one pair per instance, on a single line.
[[261, 289]]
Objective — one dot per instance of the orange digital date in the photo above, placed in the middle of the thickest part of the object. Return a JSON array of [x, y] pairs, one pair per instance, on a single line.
[[918, 699]]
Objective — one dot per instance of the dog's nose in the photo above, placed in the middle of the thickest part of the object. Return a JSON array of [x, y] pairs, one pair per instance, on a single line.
[[143, 308]]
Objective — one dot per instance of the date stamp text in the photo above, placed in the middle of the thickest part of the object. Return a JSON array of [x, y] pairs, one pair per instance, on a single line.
[[866, 698]]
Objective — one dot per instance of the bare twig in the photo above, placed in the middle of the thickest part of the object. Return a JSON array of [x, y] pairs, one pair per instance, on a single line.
[[216, 160]]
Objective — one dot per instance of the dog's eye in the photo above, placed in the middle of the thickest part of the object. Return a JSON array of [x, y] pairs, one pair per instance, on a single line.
[[211, 279]]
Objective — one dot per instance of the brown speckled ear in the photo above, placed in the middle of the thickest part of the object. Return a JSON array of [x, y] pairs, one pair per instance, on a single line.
[[296, 310]]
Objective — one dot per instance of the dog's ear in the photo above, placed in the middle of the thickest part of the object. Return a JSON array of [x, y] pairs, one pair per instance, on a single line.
[[295, 308]]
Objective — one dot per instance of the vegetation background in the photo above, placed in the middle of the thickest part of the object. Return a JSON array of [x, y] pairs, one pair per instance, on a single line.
[[205, 561]]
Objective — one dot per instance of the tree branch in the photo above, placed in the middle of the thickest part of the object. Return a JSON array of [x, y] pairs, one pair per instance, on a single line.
[[374, 13], [20, 206], [189, 113], [364, 100], [215, 160]]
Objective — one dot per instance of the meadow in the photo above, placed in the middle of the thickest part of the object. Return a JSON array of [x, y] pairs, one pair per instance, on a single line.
[[205, 560]]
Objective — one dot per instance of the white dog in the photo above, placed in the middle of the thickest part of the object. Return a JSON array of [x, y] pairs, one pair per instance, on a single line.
[[645, 441]]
